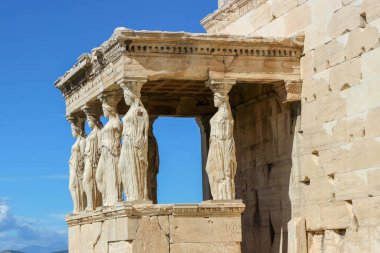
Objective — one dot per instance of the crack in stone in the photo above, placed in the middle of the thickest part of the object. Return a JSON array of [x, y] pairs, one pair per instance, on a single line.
[[99, 235]]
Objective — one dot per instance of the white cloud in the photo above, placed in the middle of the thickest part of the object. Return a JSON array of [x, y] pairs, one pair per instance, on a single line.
[[20, 233]]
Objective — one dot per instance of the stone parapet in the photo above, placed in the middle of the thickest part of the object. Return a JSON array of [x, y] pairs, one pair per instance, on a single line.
[[127, 227]]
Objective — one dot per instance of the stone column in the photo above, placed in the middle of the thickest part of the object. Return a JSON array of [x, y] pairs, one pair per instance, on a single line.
[[204, 126], [91, 158], [76, 164], [221, 161], [107, 178], [133, 163], [153, 162]]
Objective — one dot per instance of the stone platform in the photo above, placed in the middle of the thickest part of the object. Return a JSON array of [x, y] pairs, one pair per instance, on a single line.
[[212, 227]]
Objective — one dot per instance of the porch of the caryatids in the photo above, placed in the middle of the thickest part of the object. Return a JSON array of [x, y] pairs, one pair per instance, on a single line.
[[91, 158], [221, 160], [133, 163], [76, 164], [107, 176]]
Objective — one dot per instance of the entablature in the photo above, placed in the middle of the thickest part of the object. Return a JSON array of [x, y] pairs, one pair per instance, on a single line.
[[176, 64]]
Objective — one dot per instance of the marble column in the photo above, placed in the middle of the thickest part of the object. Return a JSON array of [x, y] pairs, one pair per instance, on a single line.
[[91, 158], [107, 177], [221, 160], [133, 163], [76, 163]]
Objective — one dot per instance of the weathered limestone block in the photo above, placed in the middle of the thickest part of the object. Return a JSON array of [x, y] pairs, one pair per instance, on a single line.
[[322, 11], [371, 8], [373, 175], [351, 185], [331, 241], [74, 239], [261, 16], [372, 123], [328, 55], [370, 66], [231, 247], [321, 190], [298, 19], [364, 154], [361, 40], [367, 211], [122, 229], [119, 247], [345, 75], [203, 230], [297, 242], [345, 19], [356, 240], [307, 67], [150, 237], [333, 215], [281, 7], [374, 238]]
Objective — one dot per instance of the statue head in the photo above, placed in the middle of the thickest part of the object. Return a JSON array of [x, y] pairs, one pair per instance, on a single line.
[[132, 90], [220, 99], [220, 88], [93, 118], [77, 126], [109, 103]]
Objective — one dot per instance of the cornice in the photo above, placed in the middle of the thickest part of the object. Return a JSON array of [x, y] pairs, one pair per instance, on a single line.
[[205, 209], [229, 13]]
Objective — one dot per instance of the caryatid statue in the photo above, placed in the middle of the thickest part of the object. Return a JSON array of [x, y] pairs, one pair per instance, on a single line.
[[221, 160], [153, 162], [133, 163], [107, 178], [76, 163], [91, 159]]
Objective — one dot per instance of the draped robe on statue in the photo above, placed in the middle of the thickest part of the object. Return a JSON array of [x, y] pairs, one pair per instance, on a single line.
[[133, 163], [106, 174], [221, 160], [76, 166], [91, 158]]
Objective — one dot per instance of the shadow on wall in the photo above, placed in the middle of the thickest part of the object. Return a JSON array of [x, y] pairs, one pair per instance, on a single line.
[[264, 131]]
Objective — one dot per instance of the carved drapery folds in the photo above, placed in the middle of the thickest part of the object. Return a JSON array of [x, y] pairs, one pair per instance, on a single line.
[[76, 163], [107, 178], [133, 163], [91, 158], [221, 161]]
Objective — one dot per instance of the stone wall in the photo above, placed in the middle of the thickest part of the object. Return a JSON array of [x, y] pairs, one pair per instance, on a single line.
[[264, 129], [335, 154], [145, 228]]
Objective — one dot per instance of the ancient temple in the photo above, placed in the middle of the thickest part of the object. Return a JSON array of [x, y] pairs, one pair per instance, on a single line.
[[284, 93]]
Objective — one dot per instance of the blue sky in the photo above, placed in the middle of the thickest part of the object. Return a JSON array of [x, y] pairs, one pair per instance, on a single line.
[[40, 40]]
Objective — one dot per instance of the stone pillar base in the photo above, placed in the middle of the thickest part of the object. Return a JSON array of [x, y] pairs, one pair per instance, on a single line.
[[210, 227]]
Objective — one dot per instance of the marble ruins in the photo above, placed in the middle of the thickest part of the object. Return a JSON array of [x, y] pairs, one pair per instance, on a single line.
[[285, 95]]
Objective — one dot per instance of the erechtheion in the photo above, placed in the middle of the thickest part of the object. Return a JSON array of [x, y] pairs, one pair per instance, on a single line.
[[287, 97]]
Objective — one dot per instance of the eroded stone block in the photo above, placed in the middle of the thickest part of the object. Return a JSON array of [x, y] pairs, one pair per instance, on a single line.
[[202, 229]]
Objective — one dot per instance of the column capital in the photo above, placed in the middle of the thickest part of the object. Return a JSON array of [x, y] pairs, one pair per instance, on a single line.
[[289, 91], [220, 85], [111, 98], [133, 84]]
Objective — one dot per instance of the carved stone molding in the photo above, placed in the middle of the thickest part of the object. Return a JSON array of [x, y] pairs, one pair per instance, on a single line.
[[229, 13], [205, 209], [289, 91]]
